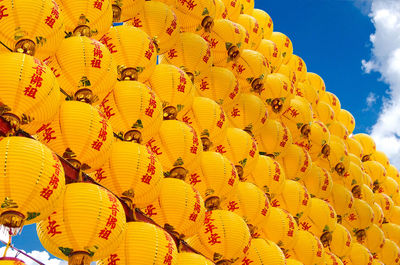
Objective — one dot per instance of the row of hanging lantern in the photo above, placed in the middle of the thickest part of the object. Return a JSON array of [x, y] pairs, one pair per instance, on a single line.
[[228, 144]]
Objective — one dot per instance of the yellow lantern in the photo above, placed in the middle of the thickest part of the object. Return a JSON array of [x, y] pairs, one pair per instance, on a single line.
[[395, 216], [285, 230], [248, 113], [133, 124], [341, 199], [309, 92], [177, 147], [367, 143], [332, 259], [318, 182], [308, 249], [215, 178], [250, 203], [360, 217], [28, 192], [163, 27], [195, 15], [390, 187], [317, 82], [208, 119], [324, 113], [263, 252], [219, 84], [139, 185], [347, 119], [192, 54], [29, 92], [174, 88], [224, 236], [11, 261], [385, 202], [354, 147], [359, 255], [135, 60], [226, 40], [297, 64], [296, 162], [271, 52], [19, 34], [170, 3], [220, 10], [294, 198], [293, 262], [366, 194], [274, 139], [381, 157], [247, 6], [233, 7], [289, 73], [124, 10], [377, 262], [284, 44], [392, 231], [278, 94], [152, 245], [353, 177], [317, 142], [84, 68], [341, 241], [240, 148], [338, 129], [69, 234], [254, 30], [374, 239], [378, 214], [332, 100], [265, 22], [84, 19], [268, 175], [376, 171], [355, 159], [392, 171], [390, 253], [193, 259]]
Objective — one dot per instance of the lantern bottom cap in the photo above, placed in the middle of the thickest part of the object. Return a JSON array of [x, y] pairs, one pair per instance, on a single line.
[[79, 258]]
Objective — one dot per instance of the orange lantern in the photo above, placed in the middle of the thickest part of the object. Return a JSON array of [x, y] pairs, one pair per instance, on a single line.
[[254, 30], [233, 7], [265, 21], [296, 162], [308, 249], [263, 252], [324, 112], [289, 73], [284, 44], [299, 66], [374, 239], [376, 171], [338, 129], [385, 202], [378, 214], [317, 82], [347, 119], [359, 255], [390, 253], [317, 142], [318, 182], [271, 52], [341, 199], [360, 218], [392, 231], [354, 147], [367, 143], [381, 157], [124, 10], [341, 241], [332, 100], [247, 6], [195, 15], [390, 187], [220, 10]]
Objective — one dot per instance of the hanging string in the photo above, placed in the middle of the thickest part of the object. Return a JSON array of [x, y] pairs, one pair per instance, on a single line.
[[8, 244], [6, 46]]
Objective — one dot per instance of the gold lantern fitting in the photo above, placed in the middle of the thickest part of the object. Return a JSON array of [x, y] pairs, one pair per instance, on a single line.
[[326, 151], [212, 203], [116, 13], [85, 95], [25, 46], [326, 239], [233, 52], [13, 221], [207, 144], [207, 23], [133, 136], [82, 30], [177, 173], [257, 85], [79, 258], [127, 73], [170, 113], [277, 105], [240, 172], [340, 168], [70, 156], [361, 236]]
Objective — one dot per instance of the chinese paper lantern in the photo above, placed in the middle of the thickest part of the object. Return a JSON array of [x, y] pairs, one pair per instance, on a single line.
[[376, 171], [317, 82], [87, 19], [347, 119], [226, 40], [140, 184], [124, 10], [29, 91], [220, 10], [20, 34], [385, 202], [263, 252], [355, 159], [381, 157], [163, 27], [247, 6], [309, 93], [240, 148], [192, 258], [341, 241], [360, 217], [341, 199], [318, 182], [332, 100], [152, 246], [324, 113], [133, 124], [271, 52], [268, 175], [296, 162], [224, 236], [366, 194], [11, 261], [294, 198], [191, 53], [392, 171], [133, 50], [208, 119], [374, 239], [233, 7], [395, 215], [317, 142], [378, 214], [360, 254], [248, 113], [215, 178], [27, 192], [293, 262], [390, 253], [195, 15], [219, 84], [377, 262], [274, 139], [332, 259], [308, 249], [177, 147], [84, 68], [297, 64], [338, 129], [174, 88], [285, 230], [389, 187], [80, 133], [354, 147], [353, 177], [254, 30], [284, 44], [367, 143], [250, 69], [392, 231], [265, 22], [69, 234], [285, 70]]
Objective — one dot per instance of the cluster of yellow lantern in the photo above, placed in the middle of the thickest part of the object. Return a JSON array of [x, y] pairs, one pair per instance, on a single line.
[[227, 143]]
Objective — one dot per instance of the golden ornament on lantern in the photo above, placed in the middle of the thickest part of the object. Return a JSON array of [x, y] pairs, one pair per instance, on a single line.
[[268, 175], [296, 162], [240, 148], [247, 6], [359, 255], [347, 119], [285, 230], [318, 182], [85, 69], [152, 246], [254, 30], [263, 252], [215, 178], [324, 113], [284, 44], [226, 41], [233, 8], [297, 64], [367, 143], [163, 27], [220, 10], [338, 129], [220, 85], [11, 261], [374, 239], [28, 192], [40, 39], [29, 92], [174, 88], [392, 231], [359, 219], [124, 10], [354, 147], [90, 19], [250, 68], [308, 249], [208, 119], [271, 52], [69, 234], [139, 185], [341, 199], [265, 22], [195, 15], [376, 171], [137, 124], [274, 139], [317, 143], [80, 133], [193, 259], [341, 241], [134, 52], [390, 253]]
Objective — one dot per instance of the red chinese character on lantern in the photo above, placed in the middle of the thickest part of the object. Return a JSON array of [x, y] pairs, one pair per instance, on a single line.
[[96, 63], [193, 149], [204, 85], [214, 239], [105, 233], [170, 31], [102, 135], [235, 112], [146, 178], [148, 55], [190, 4], [352, 217], [99, 175], [290, 233], [209, 228], [52, 227], [149, 211], [264, 211], [275, 203], [46, 193], [231, 181], [50, 21], [181, 88], [98, 5], [305, 226], [54, 181], [193, 217], [111, 222], [30, 91], [155, 149], [96, 145], [172, 54], [168, 259], [246, 261], [232, 206], [2, 10], [112, 260], [194, 179], [136, 22], [47, 132]]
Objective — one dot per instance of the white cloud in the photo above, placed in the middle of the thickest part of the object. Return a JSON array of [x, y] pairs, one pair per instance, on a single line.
[[385, 14], [41, 256], [370, 100]]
